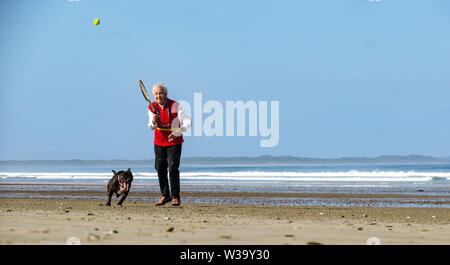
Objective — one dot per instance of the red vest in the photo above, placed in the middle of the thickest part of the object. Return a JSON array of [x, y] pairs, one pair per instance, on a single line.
[[162, 133]]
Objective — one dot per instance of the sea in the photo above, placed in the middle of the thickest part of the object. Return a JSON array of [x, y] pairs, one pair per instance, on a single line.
[[427, 185]]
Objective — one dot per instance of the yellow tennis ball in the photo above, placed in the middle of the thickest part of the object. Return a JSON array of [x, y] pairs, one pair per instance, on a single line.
[[97, 21]]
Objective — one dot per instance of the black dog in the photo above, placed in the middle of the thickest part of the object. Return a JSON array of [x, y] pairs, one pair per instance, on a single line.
[[119, 184]]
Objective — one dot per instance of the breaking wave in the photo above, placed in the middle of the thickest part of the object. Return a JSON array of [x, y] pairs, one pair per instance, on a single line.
[[324, 176]]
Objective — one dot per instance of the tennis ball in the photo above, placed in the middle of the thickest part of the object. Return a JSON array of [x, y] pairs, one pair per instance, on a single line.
[[97, 21]]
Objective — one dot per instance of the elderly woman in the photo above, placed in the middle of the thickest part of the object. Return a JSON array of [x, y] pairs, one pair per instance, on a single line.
[[169, 122]]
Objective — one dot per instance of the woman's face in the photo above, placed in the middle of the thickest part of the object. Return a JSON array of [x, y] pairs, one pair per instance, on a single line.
[[160, 95]]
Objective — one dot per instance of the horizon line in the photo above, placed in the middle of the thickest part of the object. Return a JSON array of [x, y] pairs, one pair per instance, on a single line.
[[249, 157]]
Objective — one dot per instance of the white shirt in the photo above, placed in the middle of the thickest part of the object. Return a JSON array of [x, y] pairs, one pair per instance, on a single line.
[[184, 119]]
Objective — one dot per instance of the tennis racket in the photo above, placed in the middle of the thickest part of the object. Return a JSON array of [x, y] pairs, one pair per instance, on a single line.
[[145, 94]]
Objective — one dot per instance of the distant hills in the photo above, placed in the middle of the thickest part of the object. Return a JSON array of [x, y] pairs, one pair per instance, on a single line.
[[267, 159], [260, 160]]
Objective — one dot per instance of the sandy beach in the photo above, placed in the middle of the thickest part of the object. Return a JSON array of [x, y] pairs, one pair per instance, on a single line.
[[55, 220]]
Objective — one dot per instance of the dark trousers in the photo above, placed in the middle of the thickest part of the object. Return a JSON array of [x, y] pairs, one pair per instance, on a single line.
[[168, 157]]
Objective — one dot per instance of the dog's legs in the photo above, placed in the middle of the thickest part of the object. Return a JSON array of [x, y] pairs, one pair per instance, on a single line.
[[110, 193], [124, 196]]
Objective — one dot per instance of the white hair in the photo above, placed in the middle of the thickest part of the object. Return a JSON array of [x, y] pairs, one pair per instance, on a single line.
[[160, 85]]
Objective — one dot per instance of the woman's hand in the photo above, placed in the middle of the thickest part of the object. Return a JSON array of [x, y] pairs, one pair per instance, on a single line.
[[172, 137], [176, 133], [155, 119]]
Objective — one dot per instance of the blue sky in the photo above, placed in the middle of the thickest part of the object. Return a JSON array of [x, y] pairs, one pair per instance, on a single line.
[[353, 78]]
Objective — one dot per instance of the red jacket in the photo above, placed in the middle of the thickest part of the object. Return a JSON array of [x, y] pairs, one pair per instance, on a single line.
[[162, 133]]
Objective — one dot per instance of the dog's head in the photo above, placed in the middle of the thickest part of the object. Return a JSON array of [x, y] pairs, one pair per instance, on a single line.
[[125, 178]]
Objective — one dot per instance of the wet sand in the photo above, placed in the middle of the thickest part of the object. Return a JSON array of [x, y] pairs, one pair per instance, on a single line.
[[54, 220]]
